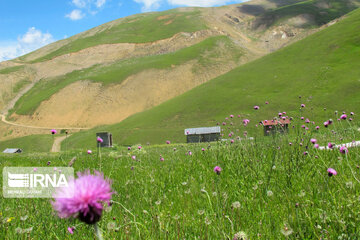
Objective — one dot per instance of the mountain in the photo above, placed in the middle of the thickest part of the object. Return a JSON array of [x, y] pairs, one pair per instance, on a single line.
[[322, 69], [107, 74]]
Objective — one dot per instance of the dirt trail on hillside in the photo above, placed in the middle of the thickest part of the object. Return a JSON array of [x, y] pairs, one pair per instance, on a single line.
[[57, 143], [3, 119]]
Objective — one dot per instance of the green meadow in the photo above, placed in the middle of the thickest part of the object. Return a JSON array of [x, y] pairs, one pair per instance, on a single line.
[[267, 189]]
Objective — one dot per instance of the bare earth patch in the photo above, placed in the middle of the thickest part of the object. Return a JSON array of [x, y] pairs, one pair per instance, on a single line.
[[87, 104]]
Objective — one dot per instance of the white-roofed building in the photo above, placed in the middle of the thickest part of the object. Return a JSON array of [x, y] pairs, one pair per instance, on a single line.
[[203, 134]]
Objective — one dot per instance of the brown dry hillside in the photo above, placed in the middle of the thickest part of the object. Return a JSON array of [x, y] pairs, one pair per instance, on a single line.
[[126, 66]]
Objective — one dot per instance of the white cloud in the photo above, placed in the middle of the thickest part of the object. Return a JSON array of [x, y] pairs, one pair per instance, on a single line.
[[100, 3], [149, 5], [30, 41], [79, 3], [88, 3], [75, 15], [200, 3]]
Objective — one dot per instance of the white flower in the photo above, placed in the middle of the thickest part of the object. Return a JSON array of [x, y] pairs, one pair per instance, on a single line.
[[240, 236], [235, 204], [269, 193], [201, 212]]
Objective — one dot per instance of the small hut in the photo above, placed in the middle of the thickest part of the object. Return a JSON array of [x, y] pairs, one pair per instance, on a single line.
[[272, 127], [106, 137], [204, 134], [12, 150]]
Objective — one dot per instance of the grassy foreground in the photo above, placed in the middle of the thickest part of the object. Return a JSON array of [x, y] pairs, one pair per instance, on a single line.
[[267, 189]]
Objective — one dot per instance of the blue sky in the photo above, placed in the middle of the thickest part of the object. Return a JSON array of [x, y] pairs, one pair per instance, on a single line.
[[26, 25]]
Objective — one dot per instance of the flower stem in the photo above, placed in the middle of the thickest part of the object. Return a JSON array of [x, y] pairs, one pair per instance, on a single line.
[[98, 232]]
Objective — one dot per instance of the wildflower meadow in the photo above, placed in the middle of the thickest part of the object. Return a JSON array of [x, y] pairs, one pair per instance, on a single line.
[[299, 185]]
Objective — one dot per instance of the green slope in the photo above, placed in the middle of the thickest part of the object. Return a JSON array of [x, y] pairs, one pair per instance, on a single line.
[[323, 68], [312, 8], [33, 143], [119, 71], [136, 29]]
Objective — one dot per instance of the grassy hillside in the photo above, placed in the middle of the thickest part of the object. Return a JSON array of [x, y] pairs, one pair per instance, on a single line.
[[322, 68], [318, 12], [119, 71], [38, 143], [137, 29]]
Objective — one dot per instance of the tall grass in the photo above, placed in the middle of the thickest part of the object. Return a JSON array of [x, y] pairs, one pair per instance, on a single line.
[[267, 188]]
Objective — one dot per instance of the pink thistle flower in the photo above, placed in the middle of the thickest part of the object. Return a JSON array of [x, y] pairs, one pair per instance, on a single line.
[[284, 113], [230, 134], [343, 117], [279, 114], [316, 145], [305, 153], [350, 119], [302, 126], [326, 124], [317, 127], [331, 172], [232, 116], [330, 145], [307, 121], [266, 102], [203, 149], [85, 197], [306, 128], [226, 118], [217, 170], [283, 118], [302, 118], [53, 131], [48, 163], [232, 141], [187, 132], [70, 230], [290, 143], [343, 150], [224, 123], [139, 147], [35, 169], [167, 142], [302, 105], [133, 157], [313, 140], [99, 140], [174, 149], [246, 121], [256, 107], [162, 159], [351, 113], [89, 152], [190, 153], [330, 121], [129, 148]]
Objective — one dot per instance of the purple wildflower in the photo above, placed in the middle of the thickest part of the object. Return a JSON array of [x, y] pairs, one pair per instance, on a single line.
[[343, 150], [217, 170], [84, 197], [331, 172]]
